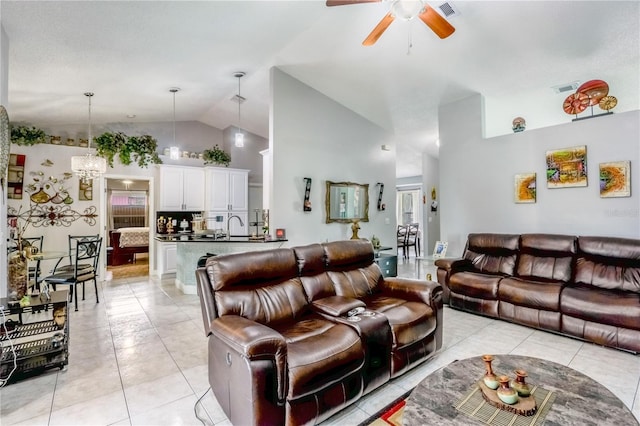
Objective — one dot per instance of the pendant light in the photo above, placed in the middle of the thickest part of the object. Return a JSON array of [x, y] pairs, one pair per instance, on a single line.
[[239, 138], [174, 151], [88, 166]]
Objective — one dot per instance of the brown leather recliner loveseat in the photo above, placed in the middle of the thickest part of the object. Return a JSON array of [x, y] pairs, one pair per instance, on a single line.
[[285, 346], [584, 287]]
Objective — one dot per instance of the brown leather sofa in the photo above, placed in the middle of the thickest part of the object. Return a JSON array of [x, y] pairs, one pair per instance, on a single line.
[[584, 287], [282, 346]]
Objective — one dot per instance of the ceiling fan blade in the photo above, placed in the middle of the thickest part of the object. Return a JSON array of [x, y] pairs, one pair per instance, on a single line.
[[345, 2], [437, 23], [378, 30]]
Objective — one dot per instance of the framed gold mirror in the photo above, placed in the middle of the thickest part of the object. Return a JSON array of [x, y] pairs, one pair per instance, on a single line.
[[346, 202]]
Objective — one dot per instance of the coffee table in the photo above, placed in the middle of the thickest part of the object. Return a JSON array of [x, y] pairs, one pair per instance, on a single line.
[[579, 399]]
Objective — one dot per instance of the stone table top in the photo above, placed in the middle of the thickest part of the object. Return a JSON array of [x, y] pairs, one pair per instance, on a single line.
[[580, 400]]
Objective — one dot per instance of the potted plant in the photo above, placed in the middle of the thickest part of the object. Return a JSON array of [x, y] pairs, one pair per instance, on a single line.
[[141, 149], [24, 135], [216, 155]]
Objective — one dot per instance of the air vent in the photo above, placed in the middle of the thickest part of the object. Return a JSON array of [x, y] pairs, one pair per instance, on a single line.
[[567, 87], [239, 99], [448, 10]]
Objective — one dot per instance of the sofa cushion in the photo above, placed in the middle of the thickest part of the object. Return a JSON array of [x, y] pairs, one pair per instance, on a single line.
[[609, 263], [616, 308], [341, 257], [311, 266], [546, 256], [319, 352], [410, 321], [493, 253], [261, 286], [536, 294], [356, 283], [472, 284]]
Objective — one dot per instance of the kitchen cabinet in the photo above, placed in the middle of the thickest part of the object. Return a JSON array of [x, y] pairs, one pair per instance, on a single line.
[[39, 336], [181, 188], [226, 189], [167, 258]]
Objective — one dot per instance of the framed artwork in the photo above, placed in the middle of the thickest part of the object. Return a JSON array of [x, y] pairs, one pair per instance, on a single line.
[[440, 249], [615, 179], [525, 188], [567, 167], [85, 192], [15, 176]]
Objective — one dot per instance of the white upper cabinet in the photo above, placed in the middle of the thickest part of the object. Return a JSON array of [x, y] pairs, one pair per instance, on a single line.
[[226, 189], [181, 188]]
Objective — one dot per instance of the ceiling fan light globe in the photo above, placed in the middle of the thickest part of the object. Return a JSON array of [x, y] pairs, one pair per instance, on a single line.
[[407, 9]]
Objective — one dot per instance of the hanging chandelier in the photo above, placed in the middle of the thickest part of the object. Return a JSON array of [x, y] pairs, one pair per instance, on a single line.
[[239, 138], [88, 167]]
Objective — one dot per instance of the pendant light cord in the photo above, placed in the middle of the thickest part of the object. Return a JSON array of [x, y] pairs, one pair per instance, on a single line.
[[239, 102], [89, 95]]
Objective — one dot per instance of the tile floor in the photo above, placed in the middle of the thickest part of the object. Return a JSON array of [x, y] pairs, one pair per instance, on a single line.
[[139, 358]]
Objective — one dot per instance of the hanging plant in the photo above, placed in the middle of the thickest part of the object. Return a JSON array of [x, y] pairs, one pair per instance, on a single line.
[[24, 135], [138, 149], [216, 155]]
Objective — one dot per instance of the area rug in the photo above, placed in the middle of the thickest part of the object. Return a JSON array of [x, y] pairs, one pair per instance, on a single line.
[[138, 269], [391, 414]]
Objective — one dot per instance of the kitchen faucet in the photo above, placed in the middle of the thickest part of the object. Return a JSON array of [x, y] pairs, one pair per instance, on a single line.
[[229, 222]]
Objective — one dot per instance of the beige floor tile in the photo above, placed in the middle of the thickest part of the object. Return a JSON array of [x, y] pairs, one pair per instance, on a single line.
[[35, 393], [156, 393], [71, 390], [180, 412], [102, 410], [136, 371], [41, 420], [198, 378]]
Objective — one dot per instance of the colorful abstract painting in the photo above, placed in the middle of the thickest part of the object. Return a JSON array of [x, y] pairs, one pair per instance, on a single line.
[[525, 188], [615, 179], [567, 167]]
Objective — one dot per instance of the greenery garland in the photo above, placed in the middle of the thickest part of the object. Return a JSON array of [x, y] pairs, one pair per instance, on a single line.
[[138, 149], [25, 135], [216, 155]]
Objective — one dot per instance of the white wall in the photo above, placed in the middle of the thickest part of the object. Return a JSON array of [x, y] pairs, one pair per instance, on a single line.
[[314, 136], [476, 177], [431, 220], [4, 85]]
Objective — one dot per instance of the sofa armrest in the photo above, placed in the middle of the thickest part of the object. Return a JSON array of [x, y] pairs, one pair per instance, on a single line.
[[428, 292], [453, 264], [254, 341], [336, 306]]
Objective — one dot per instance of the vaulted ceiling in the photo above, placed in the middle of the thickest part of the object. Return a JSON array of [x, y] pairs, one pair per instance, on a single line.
[[131, 52]]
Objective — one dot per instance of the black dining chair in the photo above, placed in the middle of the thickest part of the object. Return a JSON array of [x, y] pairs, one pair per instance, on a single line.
[[73, 239], [401, 235], [413, 238], [87, 252]]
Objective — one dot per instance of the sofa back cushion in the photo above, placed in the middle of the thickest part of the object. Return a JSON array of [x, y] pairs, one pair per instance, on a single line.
[[312, 270], [609, 263], [351, 268], [493, 253], [546, 256], [262, 286]]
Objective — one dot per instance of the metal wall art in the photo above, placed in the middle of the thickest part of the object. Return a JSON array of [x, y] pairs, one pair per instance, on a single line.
[[54, 215]]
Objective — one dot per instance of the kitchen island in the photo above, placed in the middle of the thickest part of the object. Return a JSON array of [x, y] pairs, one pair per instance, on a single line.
[[190, 247]]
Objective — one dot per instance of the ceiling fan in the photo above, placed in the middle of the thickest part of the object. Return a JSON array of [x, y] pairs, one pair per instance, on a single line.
[[404, 9]]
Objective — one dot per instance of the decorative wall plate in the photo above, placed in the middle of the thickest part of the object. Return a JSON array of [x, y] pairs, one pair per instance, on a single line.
[[576, 103], [608, 102], [595, 90]]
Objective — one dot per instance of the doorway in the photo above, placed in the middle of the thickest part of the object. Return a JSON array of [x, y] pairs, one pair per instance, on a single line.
[[127, 225]]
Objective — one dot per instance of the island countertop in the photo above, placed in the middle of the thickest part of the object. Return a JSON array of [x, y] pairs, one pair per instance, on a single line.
[[189, 248], [205, 238]]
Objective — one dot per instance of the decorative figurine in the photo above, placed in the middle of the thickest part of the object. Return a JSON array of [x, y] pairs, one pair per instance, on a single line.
[[519, 124]]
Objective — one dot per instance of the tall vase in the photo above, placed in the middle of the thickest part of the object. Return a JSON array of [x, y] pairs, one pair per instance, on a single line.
[[489, 377], [18, 275]]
